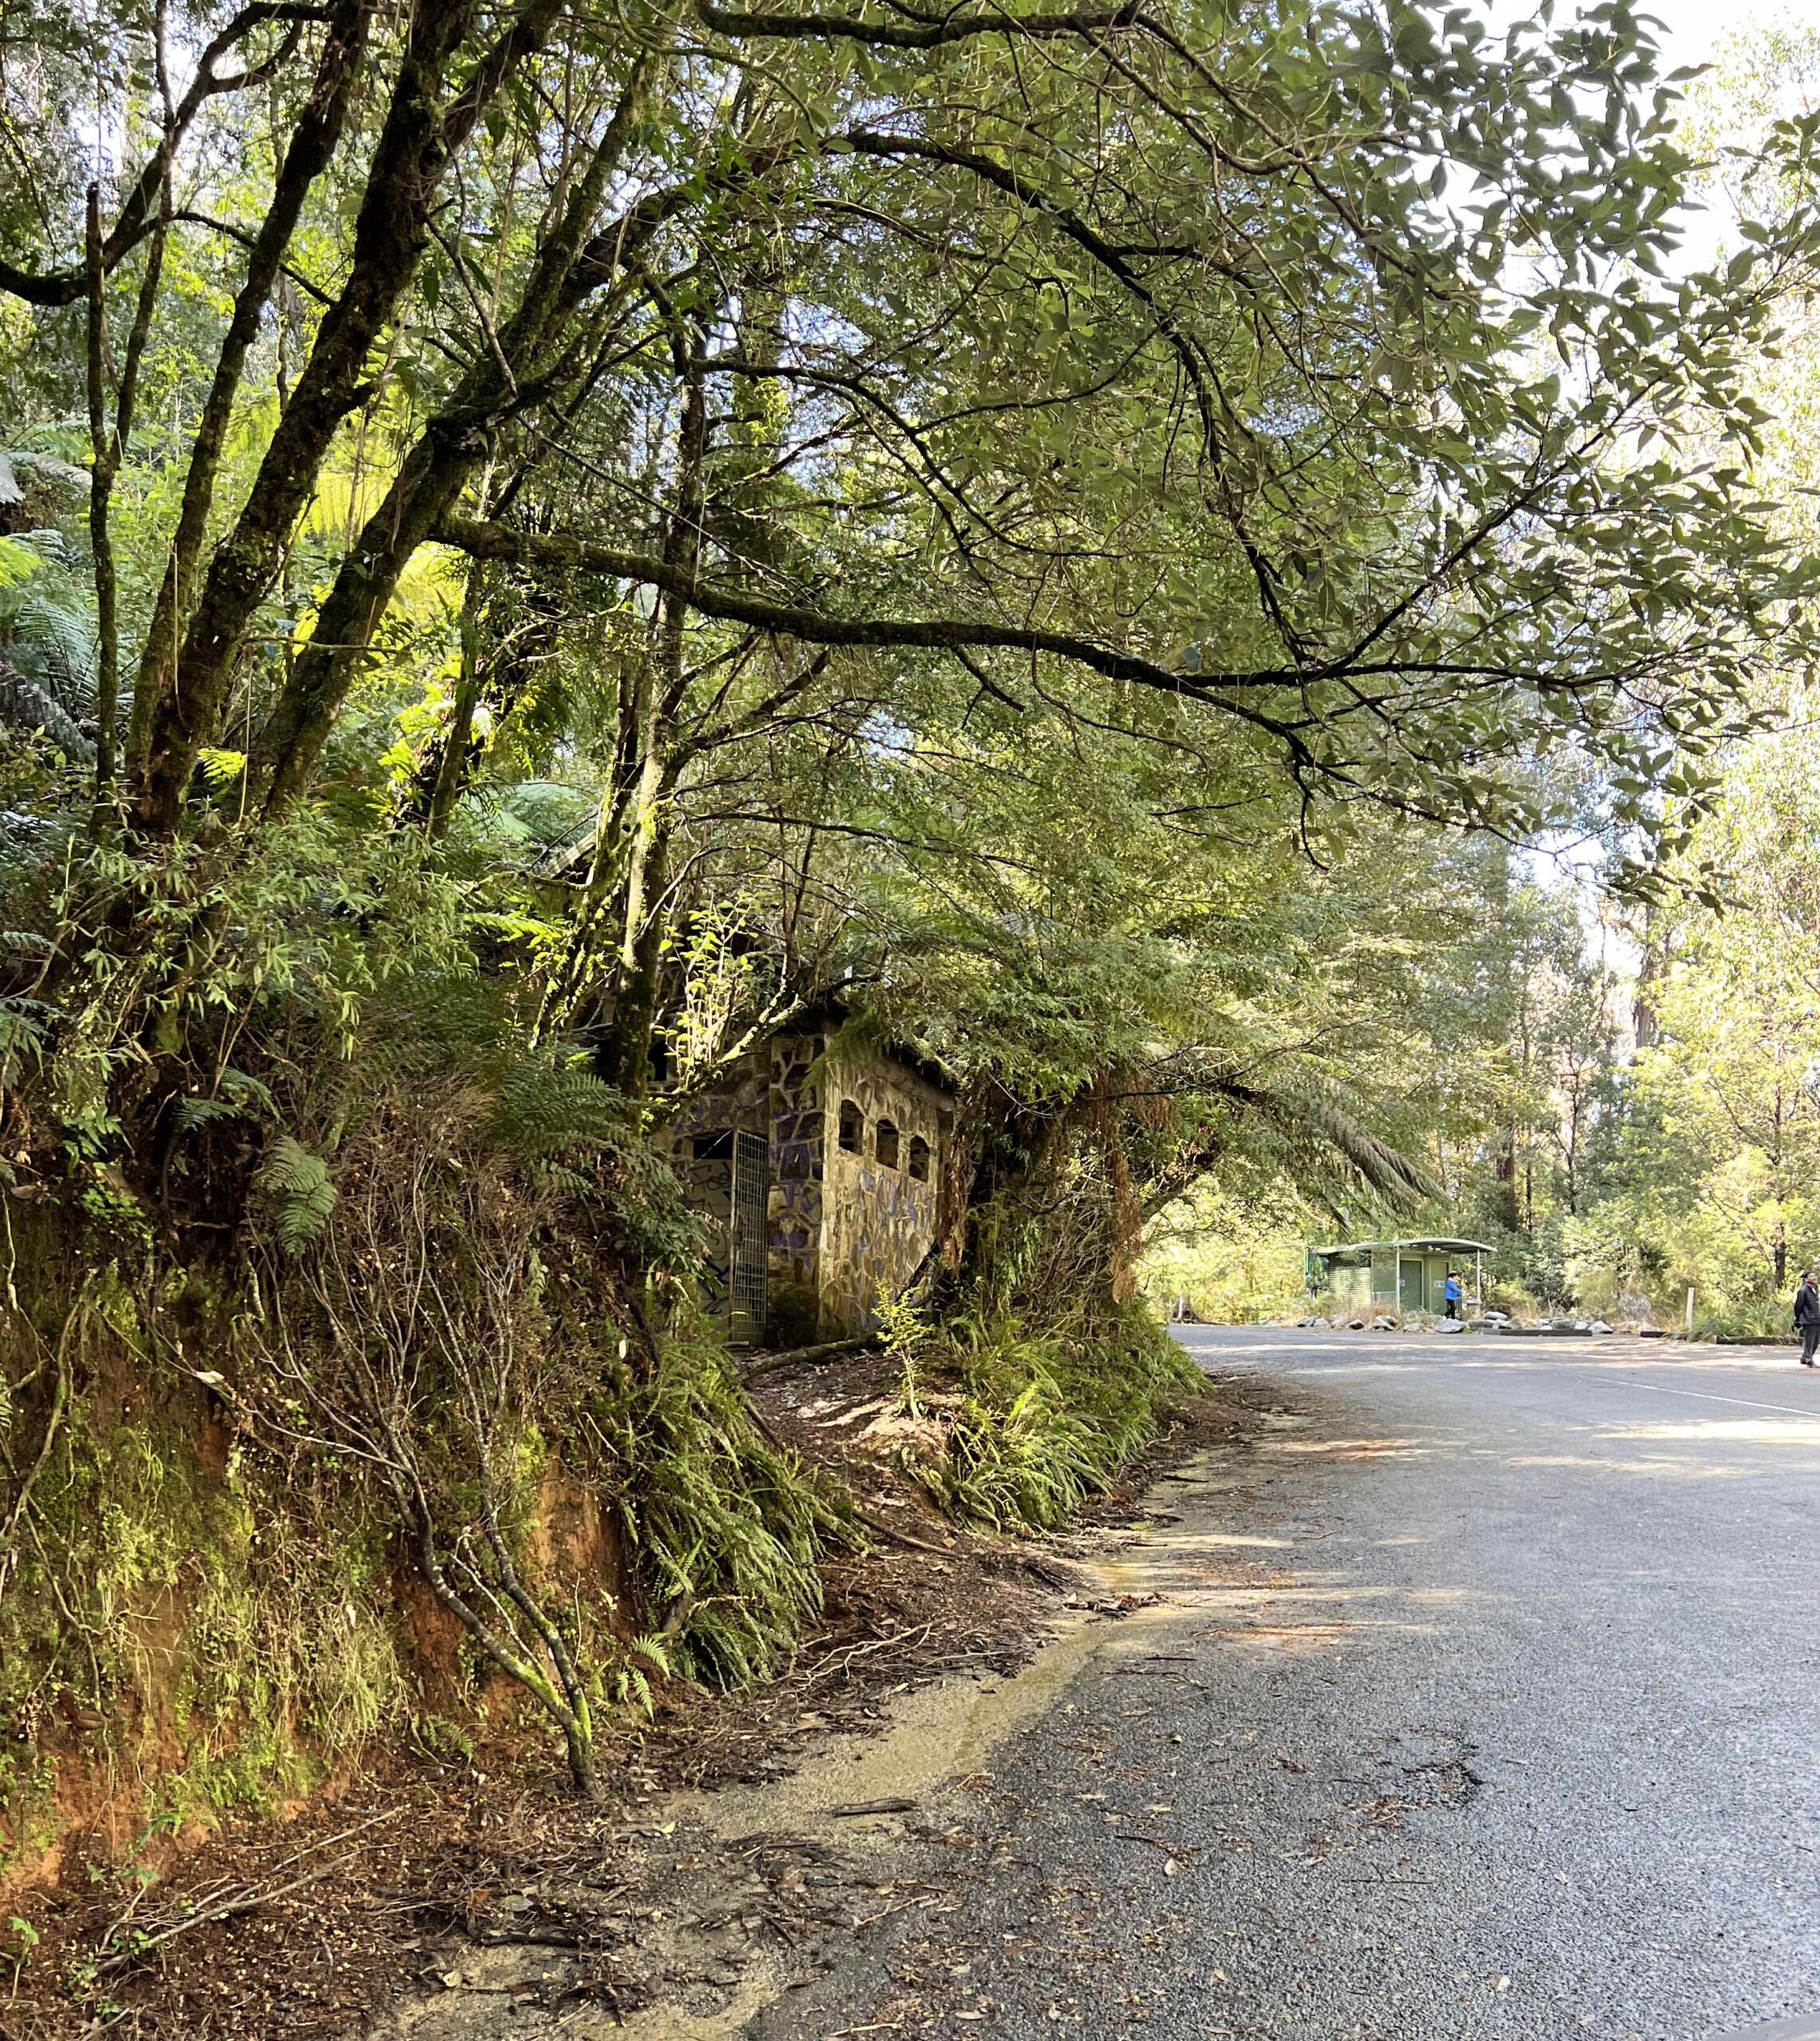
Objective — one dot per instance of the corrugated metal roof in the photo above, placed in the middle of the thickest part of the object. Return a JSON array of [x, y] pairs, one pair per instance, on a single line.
[[1424, 1242]]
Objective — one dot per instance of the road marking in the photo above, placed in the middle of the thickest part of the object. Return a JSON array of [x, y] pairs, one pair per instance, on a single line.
[[1781, 2030], [1706, 1396]]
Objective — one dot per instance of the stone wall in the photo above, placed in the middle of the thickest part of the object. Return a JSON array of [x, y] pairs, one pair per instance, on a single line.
[[847, 1224], [793, 1313], [878, 1218]]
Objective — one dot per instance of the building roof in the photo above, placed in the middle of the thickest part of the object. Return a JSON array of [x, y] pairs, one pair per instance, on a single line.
[[1425, 1242], [831, 1014]]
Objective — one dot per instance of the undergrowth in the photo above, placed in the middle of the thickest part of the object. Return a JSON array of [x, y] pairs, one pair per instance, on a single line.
[[1772, 1318], [723, 1530], [1040, 1417]]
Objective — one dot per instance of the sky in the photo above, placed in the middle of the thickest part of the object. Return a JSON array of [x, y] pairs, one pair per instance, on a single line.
[[1693, 24], [1689, 31]]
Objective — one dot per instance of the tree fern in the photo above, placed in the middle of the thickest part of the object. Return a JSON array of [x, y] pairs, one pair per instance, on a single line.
[[25, 705], [47, 623]]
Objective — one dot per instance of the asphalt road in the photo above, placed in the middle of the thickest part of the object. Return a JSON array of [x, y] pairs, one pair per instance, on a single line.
[[1481, 1702]]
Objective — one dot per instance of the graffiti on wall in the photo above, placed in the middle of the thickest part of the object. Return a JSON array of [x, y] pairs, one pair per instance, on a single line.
[[855, 1145], [880, 1217]]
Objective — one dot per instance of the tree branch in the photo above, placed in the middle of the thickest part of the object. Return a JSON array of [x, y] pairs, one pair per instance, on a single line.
[[957, 27]]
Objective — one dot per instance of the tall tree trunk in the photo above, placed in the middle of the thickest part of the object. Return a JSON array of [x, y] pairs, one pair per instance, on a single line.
[[437, 469], [452, 760], [628, 887], [424, 128], [311, 148]]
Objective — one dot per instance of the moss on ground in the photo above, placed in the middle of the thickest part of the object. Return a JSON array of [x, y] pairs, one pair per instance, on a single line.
[[198, 1618]]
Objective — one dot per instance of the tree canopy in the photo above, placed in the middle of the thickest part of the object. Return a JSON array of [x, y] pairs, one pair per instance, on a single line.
[[970, 508]]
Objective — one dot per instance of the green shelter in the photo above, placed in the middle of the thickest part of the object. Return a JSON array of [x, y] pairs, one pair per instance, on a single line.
[[1365, 1277]]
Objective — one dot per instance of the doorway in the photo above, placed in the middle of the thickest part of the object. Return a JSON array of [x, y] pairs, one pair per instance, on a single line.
[[751, 1242]]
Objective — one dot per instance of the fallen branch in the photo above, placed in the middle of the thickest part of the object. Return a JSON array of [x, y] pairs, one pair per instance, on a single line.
[[921, 1899], [828, 1350], [1177, 1849], [848, 1653], [530, 1937], [903, 1538], [249, 1902]]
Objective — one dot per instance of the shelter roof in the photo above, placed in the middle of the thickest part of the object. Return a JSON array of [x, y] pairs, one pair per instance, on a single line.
[[831, 1014], [1427, 1243]]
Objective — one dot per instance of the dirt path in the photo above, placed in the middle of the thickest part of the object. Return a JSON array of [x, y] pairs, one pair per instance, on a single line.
[[743, 1904]]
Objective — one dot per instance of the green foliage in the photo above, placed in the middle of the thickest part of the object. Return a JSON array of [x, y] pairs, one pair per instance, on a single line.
[[1047, 1416], [1236, 1259], [722, 1529], [628, 1681], [578, 1136], [298, 1184], [47, 624]]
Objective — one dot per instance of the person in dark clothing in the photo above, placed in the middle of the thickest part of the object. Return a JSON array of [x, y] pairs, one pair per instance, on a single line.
[[1807, 1317]]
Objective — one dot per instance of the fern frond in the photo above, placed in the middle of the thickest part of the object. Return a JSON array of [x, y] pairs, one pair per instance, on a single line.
[[25, 705], [547, 1109], [54, 644], [654, 1647], [297, 1183]]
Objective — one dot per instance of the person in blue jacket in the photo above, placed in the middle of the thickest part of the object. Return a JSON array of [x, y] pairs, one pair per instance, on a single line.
[[1807, 1317], [1450, 1290]]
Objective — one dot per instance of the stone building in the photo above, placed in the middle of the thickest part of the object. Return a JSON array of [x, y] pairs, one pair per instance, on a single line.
[[819, 1162]]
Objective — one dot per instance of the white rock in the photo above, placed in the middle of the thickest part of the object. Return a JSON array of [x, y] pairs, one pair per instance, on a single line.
[[1355, 1325], [1381, 1324], [1599, 1325], [1451, 1325]]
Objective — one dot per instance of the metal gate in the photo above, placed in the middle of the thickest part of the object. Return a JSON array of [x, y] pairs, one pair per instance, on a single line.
[[751, 1239]]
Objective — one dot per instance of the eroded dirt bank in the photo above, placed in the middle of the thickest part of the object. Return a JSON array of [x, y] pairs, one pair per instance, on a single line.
[[752, 1896], [462, 1898]]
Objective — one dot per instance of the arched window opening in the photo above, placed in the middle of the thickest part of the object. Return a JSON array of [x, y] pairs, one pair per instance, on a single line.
[[885, 1147], [919, 1158], [852, 1126]]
